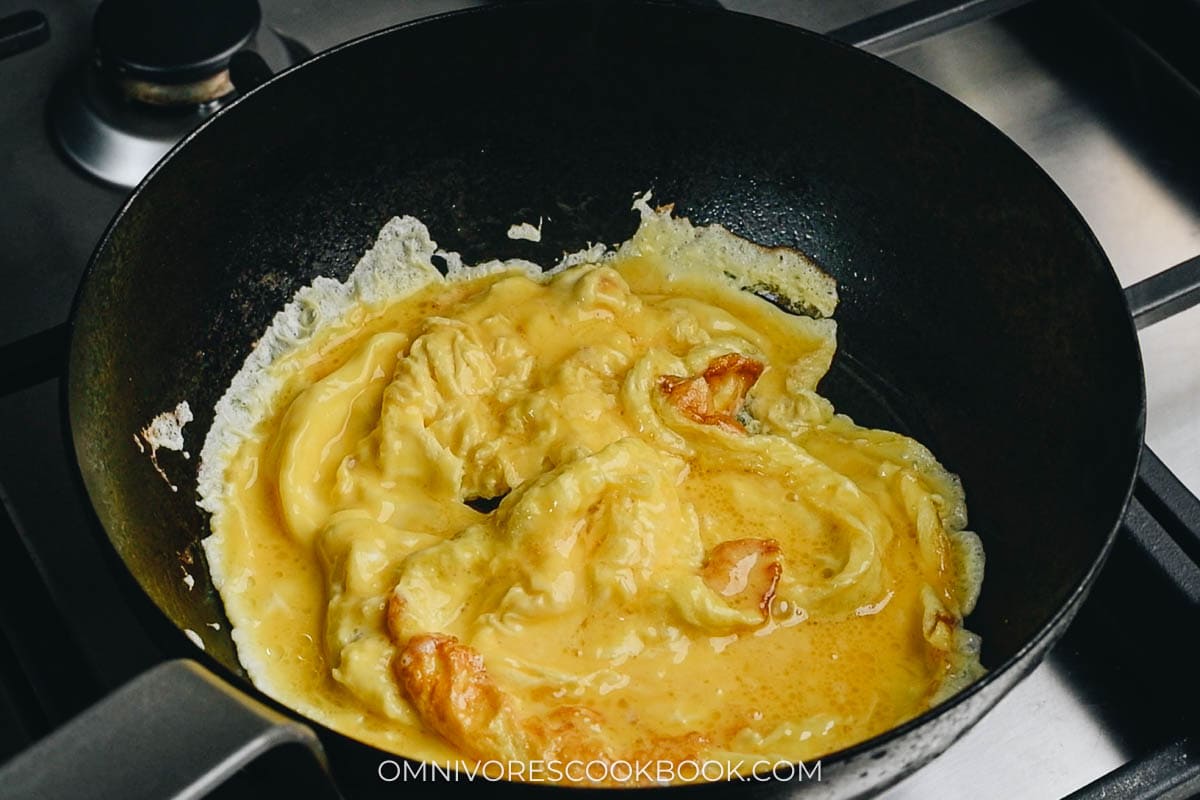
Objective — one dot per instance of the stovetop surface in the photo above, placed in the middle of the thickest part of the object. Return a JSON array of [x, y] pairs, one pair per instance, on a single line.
[[1051, 76]]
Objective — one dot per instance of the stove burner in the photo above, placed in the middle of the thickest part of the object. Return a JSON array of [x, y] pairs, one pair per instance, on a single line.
[[169, 44], [158, 71], [178, 94]]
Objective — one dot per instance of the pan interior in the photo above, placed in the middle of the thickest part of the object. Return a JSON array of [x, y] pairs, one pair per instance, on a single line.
[[978, 313]]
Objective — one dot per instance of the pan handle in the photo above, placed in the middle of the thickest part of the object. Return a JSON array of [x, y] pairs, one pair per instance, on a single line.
[[175, 732]]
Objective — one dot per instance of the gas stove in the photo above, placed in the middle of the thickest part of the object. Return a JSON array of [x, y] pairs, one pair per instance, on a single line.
[[1104, 95]]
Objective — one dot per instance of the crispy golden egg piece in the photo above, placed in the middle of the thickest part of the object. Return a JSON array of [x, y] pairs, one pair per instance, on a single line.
[[597, 513]]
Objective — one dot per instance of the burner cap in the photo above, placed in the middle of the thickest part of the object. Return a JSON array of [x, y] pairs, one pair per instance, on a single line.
[[117, 119], [176, 42]]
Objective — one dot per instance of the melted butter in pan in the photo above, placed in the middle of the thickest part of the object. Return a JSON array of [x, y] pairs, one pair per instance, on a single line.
[[694, 556]]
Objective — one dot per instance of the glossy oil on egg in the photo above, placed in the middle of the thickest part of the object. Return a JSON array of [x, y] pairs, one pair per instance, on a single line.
[[600, 512]]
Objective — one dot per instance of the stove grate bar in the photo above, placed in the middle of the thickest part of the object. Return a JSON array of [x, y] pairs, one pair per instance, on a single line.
[[1173, 563], [1171, 504], [1165, 294], [895, 29], [1169, 773], [41, 663], [35, 359]]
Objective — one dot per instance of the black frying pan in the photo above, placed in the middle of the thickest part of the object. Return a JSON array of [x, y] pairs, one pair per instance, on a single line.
[[978, 313]]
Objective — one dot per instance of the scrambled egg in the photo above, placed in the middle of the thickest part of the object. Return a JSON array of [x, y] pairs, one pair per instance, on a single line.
[[598, 513]]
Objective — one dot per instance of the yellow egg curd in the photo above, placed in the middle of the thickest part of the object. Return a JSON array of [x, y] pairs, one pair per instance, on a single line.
[[599, 513]]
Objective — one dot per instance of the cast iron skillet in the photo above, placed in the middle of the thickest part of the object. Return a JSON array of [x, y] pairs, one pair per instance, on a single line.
[[977, 312]]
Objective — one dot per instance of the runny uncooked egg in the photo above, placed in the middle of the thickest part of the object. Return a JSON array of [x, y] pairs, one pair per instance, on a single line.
[[600, 512]]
